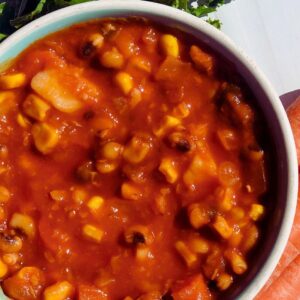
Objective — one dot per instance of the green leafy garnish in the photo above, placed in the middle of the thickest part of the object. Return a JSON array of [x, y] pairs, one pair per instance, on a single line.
[[10, 9], [20, 21]]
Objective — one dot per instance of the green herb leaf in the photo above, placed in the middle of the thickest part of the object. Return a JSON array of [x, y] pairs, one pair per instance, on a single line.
[[19, 22], [64, 3], [2, 36], [2, 6], [214, 22]]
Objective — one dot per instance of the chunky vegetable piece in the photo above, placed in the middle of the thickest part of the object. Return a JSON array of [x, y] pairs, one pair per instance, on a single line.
[[131, 167]]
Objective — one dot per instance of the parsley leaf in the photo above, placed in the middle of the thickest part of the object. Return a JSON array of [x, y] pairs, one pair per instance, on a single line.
[[20, 21]]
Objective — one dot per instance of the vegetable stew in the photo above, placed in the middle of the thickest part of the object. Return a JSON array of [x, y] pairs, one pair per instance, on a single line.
[[130, 167]]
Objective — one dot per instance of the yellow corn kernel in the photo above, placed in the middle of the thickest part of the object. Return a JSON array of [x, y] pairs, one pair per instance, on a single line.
[[125, 82], [168, 123], [112, 59], [141, 63], [3, 269], [112, 150], [222, 227], [105, 166], [24, 223], [95, 203], [135, 97], [256, 211], [198, 245], [130, 191], [79, 195], [10, 258], [45, 137], [22, 120], [189, 257], [224, 281], [167, 167], [4, 194], [35, 107], [238, 264], [97, 40], [93, 233], [59, 291], [182, 110], [136, 150], [12, 81], [235, 239], [250, 237], [198, 215], [225, 198], [169, 44]]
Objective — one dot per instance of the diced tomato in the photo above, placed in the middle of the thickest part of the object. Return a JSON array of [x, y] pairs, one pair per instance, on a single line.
[[88, 292], [193, 288]]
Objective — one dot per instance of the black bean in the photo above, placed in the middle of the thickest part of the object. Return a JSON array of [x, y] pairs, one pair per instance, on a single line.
[[87, 49], [138, 238]]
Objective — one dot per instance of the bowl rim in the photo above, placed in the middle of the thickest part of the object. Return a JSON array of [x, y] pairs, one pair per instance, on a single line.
[[159, 10]]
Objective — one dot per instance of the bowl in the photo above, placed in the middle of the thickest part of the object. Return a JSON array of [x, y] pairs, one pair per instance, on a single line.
[[278, 227]]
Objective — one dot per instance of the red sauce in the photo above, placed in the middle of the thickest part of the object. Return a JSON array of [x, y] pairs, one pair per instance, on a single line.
[[129, 167]]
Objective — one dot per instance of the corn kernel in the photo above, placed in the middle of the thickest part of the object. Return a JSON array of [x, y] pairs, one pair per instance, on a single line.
[[95, 203], [23, 121], [105, 166], [125, 82], [238, 264], [168, 123], [237, 213], [222, 227], [130, 191], [169, 44], [93, 233], [97, 40], [3, 269], [12, 81], [112, 59], [45, 137], [167, 167], [137, 150], [256, 211], [112, 150], [198, 215], [35, 107], [189, 257], [4, 194], [225, 198], [198, 245], [224, 281], [250, 237], [135, 97], [59, 291], [24, 223]]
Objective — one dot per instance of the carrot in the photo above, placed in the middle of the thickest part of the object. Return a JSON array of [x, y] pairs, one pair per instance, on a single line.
[[294, 117], [285, 287], [193, 288]]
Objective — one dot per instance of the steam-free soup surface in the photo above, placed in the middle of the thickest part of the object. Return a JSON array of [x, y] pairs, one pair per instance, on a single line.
[[129, 167]]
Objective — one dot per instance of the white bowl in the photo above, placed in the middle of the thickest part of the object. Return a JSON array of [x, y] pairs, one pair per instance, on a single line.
[[279, 226]]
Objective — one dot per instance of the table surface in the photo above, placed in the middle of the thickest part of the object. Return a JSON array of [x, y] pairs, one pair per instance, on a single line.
[[269, 32]]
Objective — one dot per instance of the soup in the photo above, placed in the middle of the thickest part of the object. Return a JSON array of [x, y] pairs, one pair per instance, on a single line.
[[130, 167]]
